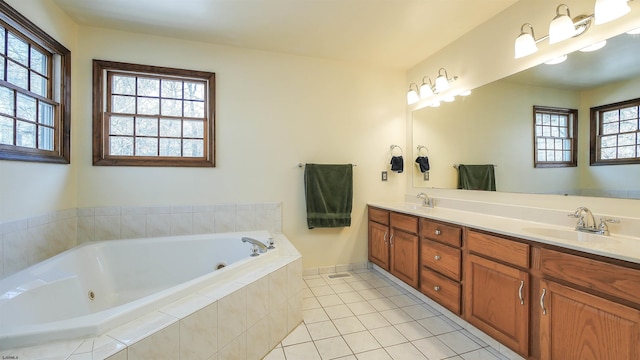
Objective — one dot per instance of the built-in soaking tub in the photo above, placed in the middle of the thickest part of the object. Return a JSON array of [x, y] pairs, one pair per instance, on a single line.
[[96, 287]]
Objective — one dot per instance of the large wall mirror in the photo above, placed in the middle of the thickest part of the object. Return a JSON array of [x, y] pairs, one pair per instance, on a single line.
[[494, 125]]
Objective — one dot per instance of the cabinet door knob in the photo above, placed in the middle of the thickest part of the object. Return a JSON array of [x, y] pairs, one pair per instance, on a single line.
[[436, 288], [437, 257], [437, 232]]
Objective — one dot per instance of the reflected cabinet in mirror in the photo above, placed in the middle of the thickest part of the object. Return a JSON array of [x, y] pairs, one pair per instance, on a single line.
[[495, 125]]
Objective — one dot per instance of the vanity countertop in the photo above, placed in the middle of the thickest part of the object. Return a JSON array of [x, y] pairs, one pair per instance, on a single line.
[[613, 246]]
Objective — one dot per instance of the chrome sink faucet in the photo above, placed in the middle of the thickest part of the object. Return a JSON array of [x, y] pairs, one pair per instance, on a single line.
[[426, 200], [587, 222]]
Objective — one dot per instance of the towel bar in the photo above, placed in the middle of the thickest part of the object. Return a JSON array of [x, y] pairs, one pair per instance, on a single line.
[[301, 165], [455, 166]]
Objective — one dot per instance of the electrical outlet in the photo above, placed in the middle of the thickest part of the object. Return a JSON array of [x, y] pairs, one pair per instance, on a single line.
[[384, 176], [426, 176]]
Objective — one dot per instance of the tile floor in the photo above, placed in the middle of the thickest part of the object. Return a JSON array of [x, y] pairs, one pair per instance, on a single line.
[[367, 317]]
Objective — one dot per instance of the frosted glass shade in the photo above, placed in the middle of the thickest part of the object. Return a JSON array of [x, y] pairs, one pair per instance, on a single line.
[[525, 45], [561, 28], [607, 10], [412, 97], [442, 84], [425, 91]]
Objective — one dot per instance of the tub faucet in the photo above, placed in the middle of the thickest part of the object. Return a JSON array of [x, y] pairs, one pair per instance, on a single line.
[[587, 223], [426, 200], [262, 248]]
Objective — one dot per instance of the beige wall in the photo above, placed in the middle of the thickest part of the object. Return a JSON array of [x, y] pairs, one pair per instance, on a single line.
[[28, 189]]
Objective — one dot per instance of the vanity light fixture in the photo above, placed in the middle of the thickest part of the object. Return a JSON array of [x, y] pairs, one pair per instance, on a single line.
[[443, 81], [561, 27], [594, 47], [426, 89], [465, 93], [435, 104], [607, 10], [558, 60], [449, 99], [412, 95]]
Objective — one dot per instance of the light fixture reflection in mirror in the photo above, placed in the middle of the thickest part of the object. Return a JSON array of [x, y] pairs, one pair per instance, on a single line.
[[607, 10], [558, 60], [594, 47]]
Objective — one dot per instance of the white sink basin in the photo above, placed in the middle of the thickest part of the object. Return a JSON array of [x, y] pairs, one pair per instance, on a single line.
[[417, 207], [572, 235]]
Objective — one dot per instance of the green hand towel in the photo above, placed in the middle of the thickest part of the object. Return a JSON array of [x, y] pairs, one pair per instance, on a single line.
[[476, 177], [329, 195]]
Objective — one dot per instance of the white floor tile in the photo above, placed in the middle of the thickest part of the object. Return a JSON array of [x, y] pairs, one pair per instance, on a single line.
[[373, 320], [348, 325], [413, 330], [403, 300], [304, 351], [297, 336], [314, 315], [333, 348], [458, 342], [322, 330], [388, 336], [418, 312], [341, 288], [370, 294], [361, 341], [338, 311], [405, 351], [436, 325], [329, 300], [350, 297], [310, 303], [378, 354], [433, 348], [315, 282], [361, 308], [322, 290], [275, 354], [480, 354], [396, 316], [382, 304]]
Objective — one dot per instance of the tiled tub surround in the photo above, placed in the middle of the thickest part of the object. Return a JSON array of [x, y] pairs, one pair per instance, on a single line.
[[28, 241], [240, 317]]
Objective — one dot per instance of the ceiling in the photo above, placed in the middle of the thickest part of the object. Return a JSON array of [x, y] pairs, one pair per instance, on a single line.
[[390, 33]]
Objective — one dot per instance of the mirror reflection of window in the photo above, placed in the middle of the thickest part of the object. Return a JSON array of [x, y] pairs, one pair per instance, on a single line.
[[555, 143]]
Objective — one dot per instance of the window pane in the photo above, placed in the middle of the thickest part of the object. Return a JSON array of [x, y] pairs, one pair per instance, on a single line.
[[566, 145], [6, 101], [608, 141], [538, 119], [18, 50], [626, 152], [146, 127], [124, 85], [6, 130], [549, 144], [608, 153], [170, 127], [120, 125], [25, 107], [193, 129], [542, 155], [120, 146], [538, 130], [194, 109], [25, 134], [146, 146], [149, 106], [194, 91], [628, 125], [45, 115], [17, 75], [558, 155], [626, 139], [45, 138], [2, 34], [170, 147], [563, 133], [546, 119], [554, 120], [550, 155], [193, 148], [554, 132], [558, 144], [38, 85], [123, 104], [610, 128], [546, 131], [541, 143], [629, 113], [566, 156], [610, 116], [562, 121], [39, 61], [171, 107], [172, 89], [148, 87]]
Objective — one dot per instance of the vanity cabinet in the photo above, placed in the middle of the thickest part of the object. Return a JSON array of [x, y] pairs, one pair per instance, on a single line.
[[496, 282], [592, 324], [404, 243], [379, 237], [393, 244], [441, 263]]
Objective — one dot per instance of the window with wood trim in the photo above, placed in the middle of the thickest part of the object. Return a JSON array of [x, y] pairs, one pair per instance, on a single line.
[[35, 92], [615, 134], [152, 116], [555, 137]]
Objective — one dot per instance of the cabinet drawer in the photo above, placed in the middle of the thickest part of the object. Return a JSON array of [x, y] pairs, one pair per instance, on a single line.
[[444, 291], [407, 223], [505, 250], [441, 258], [379, 215], [448, 234], [615, 280]]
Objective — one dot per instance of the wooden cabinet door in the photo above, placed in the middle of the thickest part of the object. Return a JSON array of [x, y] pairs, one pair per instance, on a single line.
[[496, 301], [404, 256], [575, 325], [379, 244]]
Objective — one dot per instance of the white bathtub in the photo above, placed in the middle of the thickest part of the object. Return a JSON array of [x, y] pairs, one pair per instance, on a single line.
[[95, 287]]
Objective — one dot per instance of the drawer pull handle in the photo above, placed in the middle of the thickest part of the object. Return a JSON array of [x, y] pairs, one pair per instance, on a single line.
[[436, 288], [544, 293], [437, 257], [391, 239], [437, 232], [385, 238], [520, 292]]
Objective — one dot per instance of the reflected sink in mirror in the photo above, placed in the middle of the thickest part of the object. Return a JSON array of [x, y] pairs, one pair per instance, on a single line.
[[417, 208]]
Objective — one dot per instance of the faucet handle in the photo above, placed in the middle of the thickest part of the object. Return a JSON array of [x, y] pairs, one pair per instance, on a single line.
[[609, 220], [573, 215], [270, 243]]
